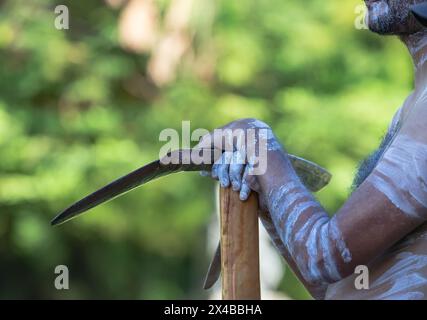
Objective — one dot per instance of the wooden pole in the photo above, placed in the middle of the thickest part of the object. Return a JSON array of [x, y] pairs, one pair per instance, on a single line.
[[239, 246]]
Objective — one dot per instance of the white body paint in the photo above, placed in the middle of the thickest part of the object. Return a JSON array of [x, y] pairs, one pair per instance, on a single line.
[[380, 9], [423, 57], [337, 236], [312, 239], [402, 176], [267, 133], [331, 267], [416, 43], [401, 274], [404, 277]]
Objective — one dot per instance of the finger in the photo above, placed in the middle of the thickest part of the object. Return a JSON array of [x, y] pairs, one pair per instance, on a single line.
[[215, 167], [245, 189], [223, 169], [236, 170]]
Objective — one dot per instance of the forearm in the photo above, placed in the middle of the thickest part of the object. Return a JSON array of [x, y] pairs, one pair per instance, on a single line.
[[317, 291], [311, 241]]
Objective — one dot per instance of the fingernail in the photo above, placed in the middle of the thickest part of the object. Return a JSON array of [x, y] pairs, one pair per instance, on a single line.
[[243, 196]]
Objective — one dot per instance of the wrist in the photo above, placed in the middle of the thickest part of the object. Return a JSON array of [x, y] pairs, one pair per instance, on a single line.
[[278, 171]]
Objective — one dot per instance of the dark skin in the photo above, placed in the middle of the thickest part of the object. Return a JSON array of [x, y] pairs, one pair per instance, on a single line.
[[382, 225]]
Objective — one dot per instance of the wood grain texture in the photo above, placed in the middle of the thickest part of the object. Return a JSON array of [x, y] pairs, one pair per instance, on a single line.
[[239, 246]]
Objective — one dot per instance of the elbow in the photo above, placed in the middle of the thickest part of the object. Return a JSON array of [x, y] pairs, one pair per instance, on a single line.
[[320, 269]]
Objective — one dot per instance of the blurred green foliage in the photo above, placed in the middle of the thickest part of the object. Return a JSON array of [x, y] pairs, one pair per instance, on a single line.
[[68, 126]]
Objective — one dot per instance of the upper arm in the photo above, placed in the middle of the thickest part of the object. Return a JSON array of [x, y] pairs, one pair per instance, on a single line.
[[393, 199]]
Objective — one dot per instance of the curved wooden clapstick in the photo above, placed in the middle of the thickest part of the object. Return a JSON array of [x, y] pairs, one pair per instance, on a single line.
[[239, 246]]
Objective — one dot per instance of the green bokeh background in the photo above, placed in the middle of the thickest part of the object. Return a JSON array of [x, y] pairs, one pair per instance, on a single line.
[[68, 125]]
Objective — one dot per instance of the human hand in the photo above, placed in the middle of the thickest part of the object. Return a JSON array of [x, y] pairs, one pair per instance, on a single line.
[[245, 145]]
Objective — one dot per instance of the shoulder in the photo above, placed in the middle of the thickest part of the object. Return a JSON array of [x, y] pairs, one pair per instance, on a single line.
[[401, 174]]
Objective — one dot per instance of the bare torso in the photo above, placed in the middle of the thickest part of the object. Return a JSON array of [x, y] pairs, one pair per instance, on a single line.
[[401, 272]]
